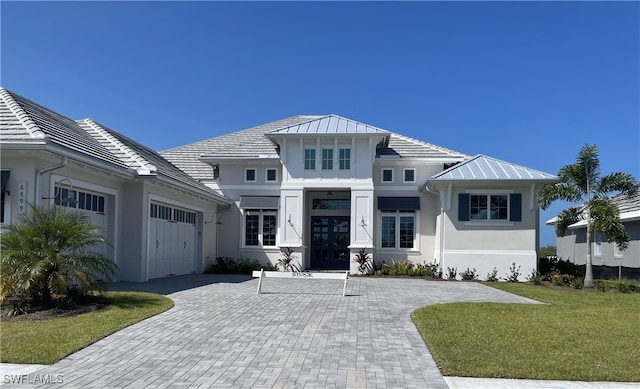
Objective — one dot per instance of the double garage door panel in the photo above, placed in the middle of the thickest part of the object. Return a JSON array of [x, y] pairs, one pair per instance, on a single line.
[[171, 248]]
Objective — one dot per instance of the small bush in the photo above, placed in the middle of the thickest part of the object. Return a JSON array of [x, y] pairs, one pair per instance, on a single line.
[[550, 266], [577, 283], [362, 259], [493, 275], [404, 267], [514, 273], [286, 261], [469, 274], [535, 277], [452, 273], [226, 265]]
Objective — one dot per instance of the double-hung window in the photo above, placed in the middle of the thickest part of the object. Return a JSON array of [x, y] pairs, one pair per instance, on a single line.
[[345, 159], [260, 227], [309, 159], [327, 159]]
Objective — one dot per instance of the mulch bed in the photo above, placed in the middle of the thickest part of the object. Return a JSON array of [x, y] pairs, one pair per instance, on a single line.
[[12, 310]]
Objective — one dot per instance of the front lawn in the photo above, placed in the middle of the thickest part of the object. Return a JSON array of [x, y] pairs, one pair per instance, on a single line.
[[47, 341], [578, 336]]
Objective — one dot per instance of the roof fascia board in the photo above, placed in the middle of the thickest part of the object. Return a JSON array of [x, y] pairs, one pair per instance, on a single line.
[[210, 195]]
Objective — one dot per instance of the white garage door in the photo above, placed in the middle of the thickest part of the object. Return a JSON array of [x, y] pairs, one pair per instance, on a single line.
[[172, 241], [92, 204]]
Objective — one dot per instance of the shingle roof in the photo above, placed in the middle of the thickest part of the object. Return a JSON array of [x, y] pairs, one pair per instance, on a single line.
[[482, 167], [627, 204], [139, 157], [25, 122], [254, 143]]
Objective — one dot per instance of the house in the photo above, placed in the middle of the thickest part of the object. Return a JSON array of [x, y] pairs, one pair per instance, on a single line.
[[154, 215], [324, 186], [328, 187], [606, 257]]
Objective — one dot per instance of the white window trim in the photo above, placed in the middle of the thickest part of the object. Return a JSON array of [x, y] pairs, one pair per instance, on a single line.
[[416, 237], [404, 170], [330, 160], [617, 253], [261, 213], [597, 244], [382, 175], [255, 174], [266, 174]]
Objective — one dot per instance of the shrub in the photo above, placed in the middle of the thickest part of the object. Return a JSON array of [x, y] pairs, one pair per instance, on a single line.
[[226, 265], [577, 283], [362, 259], [469, 275], [452, 273], [550, 266], [493, 275], [286, 261], [535, 277], [404, 267], [514, 273], [48, 256]]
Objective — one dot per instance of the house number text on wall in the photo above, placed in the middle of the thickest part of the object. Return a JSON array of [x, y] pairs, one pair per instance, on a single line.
[[22, 197]]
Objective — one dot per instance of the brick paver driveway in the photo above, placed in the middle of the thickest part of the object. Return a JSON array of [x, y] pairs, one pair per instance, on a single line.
[[299, 334]]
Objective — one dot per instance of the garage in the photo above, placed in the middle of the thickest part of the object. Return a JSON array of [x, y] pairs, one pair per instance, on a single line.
[[172, 240]]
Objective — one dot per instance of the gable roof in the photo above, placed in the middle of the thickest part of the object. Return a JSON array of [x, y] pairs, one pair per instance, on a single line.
[[255, 142], [483, 168], [28, 124]]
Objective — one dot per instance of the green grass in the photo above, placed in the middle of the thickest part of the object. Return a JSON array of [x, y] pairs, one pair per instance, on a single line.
[[47, 341], [578, 336]]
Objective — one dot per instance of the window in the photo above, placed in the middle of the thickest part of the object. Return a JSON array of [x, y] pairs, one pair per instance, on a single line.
[[398, 229], [272, 175], [478, 207], [617, 253], [387, 175], [345, 159], [260, 227], [249, 175], [3, 194], [80, 200], [309, 159], [409, 175], [172, 214], [327, 159], [597, 245]]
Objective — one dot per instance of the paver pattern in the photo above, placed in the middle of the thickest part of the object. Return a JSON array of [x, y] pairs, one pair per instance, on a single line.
[[297, 334]]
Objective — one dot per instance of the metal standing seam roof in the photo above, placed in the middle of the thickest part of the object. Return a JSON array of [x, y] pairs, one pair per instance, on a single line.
[[329, 124], [486, 168]]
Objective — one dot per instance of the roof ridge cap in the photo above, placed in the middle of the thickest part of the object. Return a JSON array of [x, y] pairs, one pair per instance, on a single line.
[[31, 127], [147, 168]]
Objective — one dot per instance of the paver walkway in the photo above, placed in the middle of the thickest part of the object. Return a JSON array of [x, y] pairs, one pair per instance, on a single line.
[[298, 334]]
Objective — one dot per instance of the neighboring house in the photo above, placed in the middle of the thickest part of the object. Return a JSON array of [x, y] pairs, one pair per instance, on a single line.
[[328, 187], [154, 215], [573, 245]]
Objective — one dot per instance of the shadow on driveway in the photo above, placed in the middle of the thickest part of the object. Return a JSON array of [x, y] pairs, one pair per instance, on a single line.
[[169, 285]]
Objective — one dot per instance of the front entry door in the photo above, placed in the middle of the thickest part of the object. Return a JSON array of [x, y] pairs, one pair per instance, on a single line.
[[329, 242]]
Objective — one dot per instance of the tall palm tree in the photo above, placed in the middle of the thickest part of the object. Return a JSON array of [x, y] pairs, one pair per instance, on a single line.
[[583, 183], [50, 252]]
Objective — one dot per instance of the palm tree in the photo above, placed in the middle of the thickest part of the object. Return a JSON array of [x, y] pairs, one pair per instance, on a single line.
[[582, 183], [49, 253]]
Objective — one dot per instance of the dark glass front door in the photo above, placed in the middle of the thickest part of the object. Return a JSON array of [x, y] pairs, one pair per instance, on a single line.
[[329, 242]]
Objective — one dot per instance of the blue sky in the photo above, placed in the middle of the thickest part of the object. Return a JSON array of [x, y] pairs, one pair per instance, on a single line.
[[526, 82]]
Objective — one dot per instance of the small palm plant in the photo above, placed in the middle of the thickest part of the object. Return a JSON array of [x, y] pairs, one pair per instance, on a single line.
[[287, 261], [48, 254]]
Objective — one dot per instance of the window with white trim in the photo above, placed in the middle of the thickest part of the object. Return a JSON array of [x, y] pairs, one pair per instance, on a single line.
[[409, 175], [327, 159], [344, 159], [387, 175], [250, 175], [271, 175], [309, 159], [398, 229], [79, 199], [597, 244], [489, 207], [260, 227], [172, 214]]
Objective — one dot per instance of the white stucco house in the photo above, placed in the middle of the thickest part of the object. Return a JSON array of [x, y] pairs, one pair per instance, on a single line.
[[153, 214], [328, 187], [323, 185], [573, 244]]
